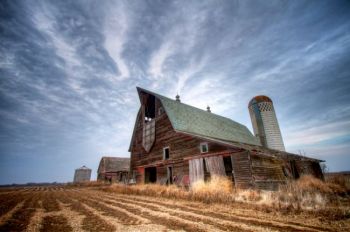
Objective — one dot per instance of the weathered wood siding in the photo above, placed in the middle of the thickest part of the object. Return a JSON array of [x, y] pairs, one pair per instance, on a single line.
[[215, 165], [242, 169], [267, 172], [306, 167]]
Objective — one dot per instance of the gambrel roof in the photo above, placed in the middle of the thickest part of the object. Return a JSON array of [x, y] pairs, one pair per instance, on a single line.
[[190, 120]]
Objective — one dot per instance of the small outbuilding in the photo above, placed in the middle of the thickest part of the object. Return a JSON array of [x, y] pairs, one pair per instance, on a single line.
[[82, 174], [113, 169]]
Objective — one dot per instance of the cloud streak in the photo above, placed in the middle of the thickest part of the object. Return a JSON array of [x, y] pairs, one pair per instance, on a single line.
[[68, 72]]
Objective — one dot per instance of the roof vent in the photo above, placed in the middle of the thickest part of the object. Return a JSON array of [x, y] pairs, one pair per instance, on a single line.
[[208, 109], [178, 98]]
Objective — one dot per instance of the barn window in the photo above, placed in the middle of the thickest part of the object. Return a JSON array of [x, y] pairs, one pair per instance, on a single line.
[[166, 153], [204, 147], [150, 108]]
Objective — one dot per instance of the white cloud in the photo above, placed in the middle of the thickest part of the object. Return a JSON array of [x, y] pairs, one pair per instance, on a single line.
[[115, 31], [180, 40], [316, 134], [158, 59], [64, 49]]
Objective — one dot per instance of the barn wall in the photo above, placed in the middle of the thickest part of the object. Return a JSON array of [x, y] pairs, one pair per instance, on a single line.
[[309, 167], [242, 172], [267, 172]]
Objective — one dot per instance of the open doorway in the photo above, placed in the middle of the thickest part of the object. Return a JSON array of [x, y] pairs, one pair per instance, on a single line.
[[228, 168], [206, 171], [150, 175], [169, 175], [294, 169]]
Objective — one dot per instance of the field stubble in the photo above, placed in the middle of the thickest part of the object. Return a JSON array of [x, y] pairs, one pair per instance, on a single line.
[[159, 208]]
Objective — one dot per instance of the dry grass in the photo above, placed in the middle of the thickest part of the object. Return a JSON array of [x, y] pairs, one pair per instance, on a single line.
[[307, 193]]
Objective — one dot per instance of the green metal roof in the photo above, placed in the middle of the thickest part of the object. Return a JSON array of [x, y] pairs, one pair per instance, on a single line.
[[191, 120]]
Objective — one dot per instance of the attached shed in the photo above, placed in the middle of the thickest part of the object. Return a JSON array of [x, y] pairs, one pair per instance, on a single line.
[[113, 169], [175, 143]]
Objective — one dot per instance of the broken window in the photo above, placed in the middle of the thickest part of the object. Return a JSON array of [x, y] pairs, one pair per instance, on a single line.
[[150, 108], [166, 153]]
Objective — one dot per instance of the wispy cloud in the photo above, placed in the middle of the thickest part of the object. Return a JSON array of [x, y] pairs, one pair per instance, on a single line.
[[68, 72], [115, 30]]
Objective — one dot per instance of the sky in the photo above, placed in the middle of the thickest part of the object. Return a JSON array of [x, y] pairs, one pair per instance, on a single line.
[[69, 71]]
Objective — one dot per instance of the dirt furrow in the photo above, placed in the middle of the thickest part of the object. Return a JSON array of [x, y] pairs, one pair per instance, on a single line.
[[208, 220], [55, 223], [20, 219], [124, 216], [157, 218], [121, 227], [9, 213], [7, 204], [50, 203], [246, 219], [91, 221]]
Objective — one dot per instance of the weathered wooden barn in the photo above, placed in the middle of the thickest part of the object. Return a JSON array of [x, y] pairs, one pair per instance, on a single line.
[[175, 143], [113, 169]]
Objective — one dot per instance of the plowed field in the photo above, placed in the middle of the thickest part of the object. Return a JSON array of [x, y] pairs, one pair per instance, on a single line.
[[86, 209]]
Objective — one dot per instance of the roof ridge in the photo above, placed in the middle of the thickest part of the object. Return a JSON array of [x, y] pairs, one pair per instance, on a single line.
[[209, 113], [193, 120]]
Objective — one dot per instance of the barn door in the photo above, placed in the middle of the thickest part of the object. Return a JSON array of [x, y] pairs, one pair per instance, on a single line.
[[215, 165], [196, 170]]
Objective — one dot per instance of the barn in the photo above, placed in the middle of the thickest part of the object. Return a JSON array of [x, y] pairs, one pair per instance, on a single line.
[[175, 143], [113, 169]]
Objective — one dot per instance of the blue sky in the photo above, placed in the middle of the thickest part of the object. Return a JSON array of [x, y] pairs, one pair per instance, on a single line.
[[69, 71]]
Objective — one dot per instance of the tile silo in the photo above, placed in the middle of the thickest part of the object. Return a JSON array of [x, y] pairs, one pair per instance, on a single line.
[[265, 124], [82, 174]]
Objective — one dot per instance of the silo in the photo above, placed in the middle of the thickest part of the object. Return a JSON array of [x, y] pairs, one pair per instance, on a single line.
[[265, 124], [82, 174]]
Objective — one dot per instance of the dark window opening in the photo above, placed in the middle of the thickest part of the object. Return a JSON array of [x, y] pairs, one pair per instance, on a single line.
[[294, 169], [169, 175], [166, 153], [150, 175], [206, 172], [150, 108], [228, 168], [204, 147]]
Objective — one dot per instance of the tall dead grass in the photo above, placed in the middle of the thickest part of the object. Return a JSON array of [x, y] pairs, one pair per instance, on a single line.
[[307, 193]]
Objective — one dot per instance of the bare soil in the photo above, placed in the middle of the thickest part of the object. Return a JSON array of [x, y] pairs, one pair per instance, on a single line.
[[90, 209]]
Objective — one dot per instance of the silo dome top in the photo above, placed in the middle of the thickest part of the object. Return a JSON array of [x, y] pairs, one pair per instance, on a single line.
[[258, 99]]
